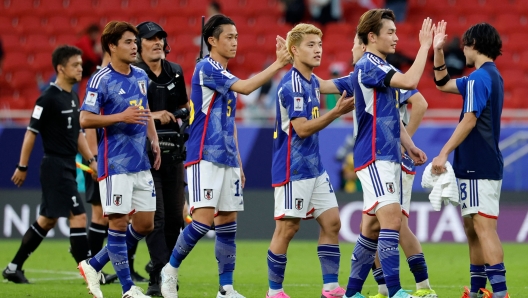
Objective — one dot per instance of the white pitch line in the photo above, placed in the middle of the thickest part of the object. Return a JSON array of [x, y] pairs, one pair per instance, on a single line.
[[53, 272]]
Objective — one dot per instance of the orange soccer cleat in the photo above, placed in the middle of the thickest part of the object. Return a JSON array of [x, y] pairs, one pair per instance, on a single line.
[[488, 294]]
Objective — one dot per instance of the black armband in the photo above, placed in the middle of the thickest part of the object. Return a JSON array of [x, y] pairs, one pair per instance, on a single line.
[[439, 68], [388, 77], [442, 81]]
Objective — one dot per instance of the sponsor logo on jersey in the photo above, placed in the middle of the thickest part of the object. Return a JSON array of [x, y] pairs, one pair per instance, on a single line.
[[318, 94], [298, 104], [91, 98], [37, 112], [227, 74]]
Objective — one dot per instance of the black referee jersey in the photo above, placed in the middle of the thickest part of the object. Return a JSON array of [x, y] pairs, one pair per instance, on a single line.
[[56, 118]]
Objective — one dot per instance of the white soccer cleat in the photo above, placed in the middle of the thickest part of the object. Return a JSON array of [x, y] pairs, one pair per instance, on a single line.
[[225, 294], [92, 278], [135, 292], [168, 284]]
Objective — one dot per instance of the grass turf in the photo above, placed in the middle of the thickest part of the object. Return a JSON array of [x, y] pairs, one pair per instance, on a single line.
[[53, 273]]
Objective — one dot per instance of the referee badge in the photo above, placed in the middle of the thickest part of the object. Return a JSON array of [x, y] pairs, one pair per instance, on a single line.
[[143, 87], [118, 200]]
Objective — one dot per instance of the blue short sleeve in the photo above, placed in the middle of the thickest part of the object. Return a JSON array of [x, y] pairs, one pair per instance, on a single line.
[[477, 93], [344, 84], [95, 95], [293, 102], [217, 78], [404, 95]]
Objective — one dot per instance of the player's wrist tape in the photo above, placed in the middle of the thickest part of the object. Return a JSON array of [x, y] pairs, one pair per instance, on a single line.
[[442, 81], [439, 68], [22, 168]]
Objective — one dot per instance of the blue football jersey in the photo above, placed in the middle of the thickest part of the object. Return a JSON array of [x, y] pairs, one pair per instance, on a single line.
[[122, 146], [483, 93], [212, 119], [295, 158]]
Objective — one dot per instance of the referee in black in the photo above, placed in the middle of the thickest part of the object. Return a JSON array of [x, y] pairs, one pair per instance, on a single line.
[[167, 95], [56, 118]]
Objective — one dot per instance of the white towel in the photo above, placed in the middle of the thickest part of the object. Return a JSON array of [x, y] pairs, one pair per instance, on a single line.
[[444, 187]]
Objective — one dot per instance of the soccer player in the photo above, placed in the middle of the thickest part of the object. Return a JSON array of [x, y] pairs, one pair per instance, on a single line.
[[56, 118], [476, 139], [116, 101], [302, 186], [214, 168], [379, 135], [408, 241]]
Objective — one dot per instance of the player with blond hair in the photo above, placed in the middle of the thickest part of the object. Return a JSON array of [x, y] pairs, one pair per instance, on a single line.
[[302, 186]]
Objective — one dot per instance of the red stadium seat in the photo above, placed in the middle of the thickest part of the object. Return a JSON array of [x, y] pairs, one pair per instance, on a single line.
[[40, 62], [13, 61], [23, 78], [38, 43], [513, 78], [78, 8], [12, 42], [82, 22], [519, 98], [59, 24], [6, 23], [50, 8], [111, 10], [65, 39], [29, 23], [20, 7]]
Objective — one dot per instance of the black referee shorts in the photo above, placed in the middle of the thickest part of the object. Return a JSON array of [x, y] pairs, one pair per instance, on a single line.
[[60, 196], [91, 188]]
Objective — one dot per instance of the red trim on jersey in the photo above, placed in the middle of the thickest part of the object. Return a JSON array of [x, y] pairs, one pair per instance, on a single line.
[[405, 213], [279, 217], [408, 172], [370, 209], [487, 215], [191, 211], [204, 131], [287, 161]]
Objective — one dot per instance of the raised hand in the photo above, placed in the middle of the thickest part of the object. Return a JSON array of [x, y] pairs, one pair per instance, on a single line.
[[440, 37], [345, 104], [427, 32], [283, 57], [134, 115]]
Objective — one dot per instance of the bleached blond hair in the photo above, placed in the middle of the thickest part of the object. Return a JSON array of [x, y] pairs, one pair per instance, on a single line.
[[296, 35]]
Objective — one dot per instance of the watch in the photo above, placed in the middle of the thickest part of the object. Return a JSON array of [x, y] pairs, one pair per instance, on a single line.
[[22, 168], [94, 158]]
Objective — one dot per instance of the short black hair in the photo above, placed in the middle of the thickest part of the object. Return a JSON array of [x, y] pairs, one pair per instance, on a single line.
[[62, 54], [485, 39], [216, 6], [213, 27]]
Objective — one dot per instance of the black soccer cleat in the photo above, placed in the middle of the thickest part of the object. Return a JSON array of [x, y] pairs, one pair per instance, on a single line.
[[16, 276], [149, 267], [137, 278]]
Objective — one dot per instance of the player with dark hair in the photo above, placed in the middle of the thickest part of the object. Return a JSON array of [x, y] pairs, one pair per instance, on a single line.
[[56, 118], [302, 186], [379, 135], [214, 168], [116, 102], [475, 139], [167, 95]]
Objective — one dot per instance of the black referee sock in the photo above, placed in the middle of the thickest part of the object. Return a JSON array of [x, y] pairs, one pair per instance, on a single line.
[[131, 257], [79, 244], [96, 236], [31, 240]]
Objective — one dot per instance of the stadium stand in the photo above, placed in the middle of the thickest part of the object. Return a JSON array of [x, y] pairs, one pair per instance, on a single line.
[[31, 29]]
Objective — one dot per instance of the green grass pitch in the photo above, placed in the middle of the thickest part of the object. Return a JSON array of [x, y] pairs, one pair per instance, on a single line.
[[53, 273]]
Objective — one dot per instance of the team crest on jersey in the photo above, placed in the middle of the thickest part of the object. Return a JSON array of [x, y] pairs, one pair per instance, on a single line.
[[318, 94], [143, 87], [298, 104], [390, 187], [299, 204], [208, 194], [118, 200]]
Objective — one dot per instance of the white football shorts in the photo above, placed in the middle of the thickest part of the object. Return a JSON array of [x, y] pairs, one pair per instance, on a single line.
[[306, 198], [479, 196], [381, 185], [128, 193], [407, 183], [214, 185]]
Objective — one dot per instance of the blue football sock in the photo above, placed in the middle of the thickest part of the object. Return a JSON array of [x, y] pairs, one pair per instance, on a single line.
[[418, 267], [276, 268], [100, 259], [118, 253], [478, 277], [132, 237], [329, 256], [362, 260], [225, 251], [497, 277], [389, 256], [186, 241], [378, 276]]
